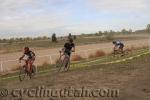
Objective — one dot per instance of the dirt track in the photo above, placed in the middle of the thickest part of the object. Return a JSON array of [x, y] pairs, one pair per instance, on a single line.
[[131, 78], [106, 47]]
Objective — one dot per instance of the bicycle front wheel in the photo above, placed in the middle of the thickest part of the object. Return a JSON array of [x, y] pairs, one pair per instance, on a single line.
[[33, 71], [22, 73]]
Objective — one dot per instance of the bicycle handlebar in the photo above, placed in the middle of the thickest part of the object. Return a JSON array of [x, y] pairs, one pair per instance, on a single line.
[[22, 60]]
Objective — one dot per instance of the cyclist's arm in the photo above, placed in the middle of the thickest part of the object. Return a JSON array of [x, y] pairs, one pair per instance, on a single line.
[[62, 51], [64, 48], [73, 48], [115, 47], [22, 57], [33, 54]]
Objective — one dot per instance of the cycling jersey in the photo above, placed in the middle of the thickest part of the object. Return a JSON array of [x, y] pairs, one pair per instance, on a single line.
[[119, 44], [30, 54], [68, 47]]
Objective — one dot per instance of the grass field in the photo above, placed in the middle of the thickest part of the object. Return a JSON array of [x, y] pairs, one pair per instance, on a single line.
[[130, 77], [85, 51], [83, 63], [128, 74], [9, 47]]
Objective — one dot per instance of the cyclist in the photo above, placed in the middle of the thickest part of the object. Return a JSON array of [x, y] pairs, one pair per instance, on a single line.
[[118, 45], [30, 58], [69, 47]]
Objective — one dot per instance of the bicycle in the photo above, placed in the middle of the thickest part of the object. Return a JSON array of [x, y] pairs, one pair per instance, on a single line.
[[63, 63], [24, 72], [120, 52]]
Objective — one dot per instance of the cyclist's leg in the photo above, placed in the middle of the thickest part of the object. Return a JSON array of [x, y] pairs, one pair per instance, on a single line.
[[115, 52], [67, 58], [122, 49], [28, 65], [31, 65], [115, 49]]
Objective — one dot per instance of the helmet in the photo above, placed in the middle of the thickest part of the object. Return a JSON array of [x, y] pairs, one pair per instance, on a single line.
[[26, 49]]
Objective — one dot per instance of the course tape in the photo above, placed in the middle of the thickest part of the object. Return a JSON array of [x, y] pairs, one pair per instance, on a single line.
[[92, 61], [111, 62], [87, 64]]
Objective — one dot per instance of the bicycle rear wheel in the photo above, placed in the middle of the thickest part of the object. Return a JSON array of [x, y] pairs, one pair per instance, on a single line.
[[66, 63], [33, 71], [22, 73]]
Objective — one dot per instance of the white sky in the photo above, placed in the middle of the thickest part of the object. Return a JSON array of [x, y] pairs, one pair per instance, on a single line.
[[19, 18]]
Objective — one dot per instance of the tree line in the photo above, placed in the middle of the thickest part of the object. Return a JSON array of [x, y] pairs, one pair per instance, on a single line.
[[54, 37]]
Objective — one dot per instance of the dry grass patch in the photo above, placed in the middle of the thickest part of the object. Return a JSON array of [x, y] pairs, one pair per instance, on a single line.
[[45, 63]]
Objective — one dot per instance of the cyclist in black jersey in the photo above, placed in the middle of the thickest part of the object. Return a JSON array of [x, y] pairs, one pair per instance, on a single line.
[[69, 47]]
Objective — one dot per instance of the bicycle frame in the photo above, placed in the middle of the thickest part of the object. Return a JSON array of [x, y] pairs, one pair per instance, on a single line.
[[61, 55], [62, 62], [23, 64], [118, 51], [24, 72]]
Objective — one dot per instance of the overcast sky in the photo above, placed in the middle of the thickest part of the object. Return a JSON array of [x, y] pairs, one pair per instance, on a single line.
[[41, 17]]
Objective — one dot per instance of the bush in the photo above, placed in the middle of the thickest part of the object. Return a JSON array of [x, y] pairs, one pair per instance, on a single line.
[[45, 63], [128, 49], [109, 36], [110, 53], [17, 67], [54, 38], [77, 58], [145, 47], [98, 53], [91, 56]]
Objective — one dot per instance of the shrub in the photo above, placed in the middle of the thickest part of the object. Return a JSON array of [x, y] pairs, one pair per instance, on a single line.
[[57, 60], [100, 53], [128, 49], [145, 46], [110, 53], [17, 67], [133, 48], [91, 56], [45, 63], [109, 36], [77, 58]]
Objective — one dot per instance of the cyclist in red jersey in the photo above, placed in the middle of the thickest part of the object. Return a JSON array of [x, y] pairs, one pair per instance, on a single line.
[[30, 58]]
